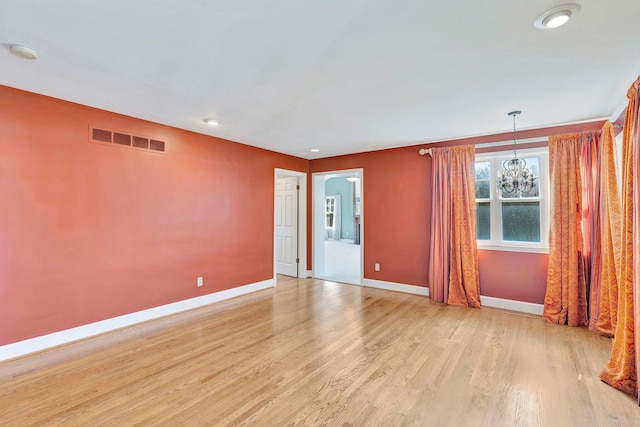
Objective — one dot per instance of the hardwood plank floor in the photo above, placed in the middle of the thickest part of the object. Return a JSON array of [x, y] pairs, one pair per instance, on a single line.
[[311, 352]]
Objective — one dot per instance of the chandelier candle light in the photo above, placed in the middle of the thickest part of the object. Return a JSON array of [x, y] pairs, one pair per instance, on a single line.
[[515, 178]]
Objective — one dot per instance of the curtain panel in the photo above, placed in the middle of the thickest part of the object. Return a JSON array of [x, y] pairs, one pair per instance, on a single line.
[[605, 270], [440, 224], [590, 171], [565, 299], [621, 371], [464, 281], [596, 244], [453, 267]]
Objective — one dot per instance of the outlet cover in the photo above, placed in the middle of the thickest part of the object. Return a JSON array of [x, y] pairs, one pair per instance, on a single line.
[[200, 281], [376, 267]]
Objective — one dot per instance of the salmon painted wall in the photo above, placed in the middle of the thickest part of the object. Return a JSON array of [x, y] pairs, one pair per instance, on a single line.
[[515, 276], [91, 231], [397, 212]]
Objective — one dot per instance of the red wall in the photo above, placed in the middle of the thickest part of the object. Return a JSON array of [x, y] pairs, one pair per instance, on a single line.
[[91, 231], [396, 210], [397, 215]]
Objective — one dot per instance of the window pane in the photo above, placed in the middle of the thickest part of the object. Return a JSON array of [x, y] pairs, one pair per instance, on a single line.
[[533, 163], [329, 220], [482, 170], [483, 221], [483, 190], [521, 221], [513, 195], [535, 191]]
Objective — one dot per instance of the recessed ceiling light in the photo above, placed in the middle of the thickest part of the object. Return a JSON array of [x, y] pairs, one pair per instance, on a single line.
[[556, 16], [23, 52], [211, 122], [557, 19], [315, 150]]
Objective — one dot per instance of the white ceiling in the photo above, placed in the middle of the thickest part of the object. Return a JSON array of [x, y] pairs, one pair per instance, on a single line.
[[343, 76]]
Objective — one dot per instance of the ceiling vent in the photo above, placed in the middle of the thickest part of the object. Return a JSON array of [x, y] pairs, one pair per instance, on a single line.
[[113, 137]]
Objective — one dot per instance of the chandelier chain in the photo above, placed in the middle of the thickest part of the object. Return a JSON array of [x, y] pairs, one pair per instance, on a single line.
[[514, 135]]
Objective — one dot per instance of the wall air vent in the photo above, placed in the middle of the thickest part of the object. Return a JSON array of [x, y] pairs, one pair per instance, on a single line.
[[140, 142], [101, 135], [122, 139], [157, 145]]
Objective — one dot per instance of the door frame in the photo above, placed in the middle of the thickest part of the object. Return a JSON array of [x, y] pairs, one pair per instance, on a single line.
[[317, 218], [302, 220]]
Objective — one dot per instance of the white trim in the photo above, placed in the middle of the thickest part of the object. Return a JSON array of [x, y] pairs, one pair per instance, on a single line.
[[66, 336], [513, 305], [509, 144], [496, 202], [506, 248], [308, 273], [505, 304], [396, 287]]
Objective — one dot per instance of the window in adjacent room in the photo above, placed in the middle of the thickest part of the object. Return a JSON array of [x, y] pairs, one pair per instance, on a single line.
[[330, 209], [512, 222]]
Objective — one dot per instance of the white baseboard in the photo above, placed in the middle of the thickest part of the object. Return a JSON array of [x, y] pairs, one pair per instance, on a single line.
[[397, 287], [43, 342], [508, 304], [505, 304], [308, 273]]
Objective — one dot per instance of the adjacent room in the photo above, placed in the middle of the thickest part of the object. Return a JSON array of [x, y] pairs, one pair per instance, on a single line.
[[352, 213]]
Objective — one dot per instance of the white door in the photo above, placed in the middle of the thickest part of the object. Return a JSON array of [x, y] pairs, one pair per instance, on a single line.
[[286, 220]]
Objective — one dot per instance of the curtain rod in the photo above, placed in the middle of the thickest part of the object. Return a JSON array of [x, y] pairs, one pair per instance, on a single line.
[[429, 151]]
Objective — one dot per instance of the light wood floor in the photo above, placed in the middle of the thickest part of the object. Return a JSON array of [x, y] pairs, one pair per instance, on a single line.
[[320, 353]]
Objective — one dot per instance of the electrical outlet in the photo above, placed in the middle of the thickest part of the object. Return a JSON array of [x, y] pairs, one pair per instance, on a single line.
[[376, 267], [200, 281]]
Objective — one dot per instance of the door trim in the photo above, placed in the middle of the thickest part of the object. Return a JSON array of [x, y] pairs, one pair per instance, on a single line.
[[302, 219]]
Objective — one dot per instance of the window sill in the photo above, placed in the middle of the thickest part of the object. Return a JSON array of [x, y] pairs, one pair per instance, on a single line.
[[505, 248]]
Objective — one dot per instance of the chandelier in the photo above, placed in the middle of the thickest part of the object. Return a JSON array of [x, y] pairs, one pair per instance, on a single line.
[[515, 178]]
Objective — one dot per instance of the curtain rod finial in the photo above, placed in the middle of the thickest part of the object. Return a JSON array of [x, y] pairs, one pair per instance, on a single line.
[[424, 151]]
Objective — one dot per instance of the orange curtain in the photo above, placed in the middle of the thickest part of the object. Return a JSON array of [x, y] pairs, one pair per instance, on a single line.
[[440, 224], [603, 300], [566, 295], [590, 161], [464, 282], [622, 370]]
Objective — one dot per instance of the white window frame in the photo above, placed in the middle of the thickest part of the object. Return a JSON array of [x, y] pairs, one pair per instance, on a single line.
[[496, 243], [330, 209]]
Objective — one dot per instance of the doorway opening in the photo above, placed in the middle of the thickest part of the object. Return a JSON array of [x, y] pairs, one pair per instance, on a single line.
[[338, 224], [290, 225]]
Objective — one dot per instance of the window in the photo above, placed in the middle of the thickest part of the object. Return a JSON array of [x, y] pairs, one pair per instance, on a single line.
[[512, 222], [329, 211]]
